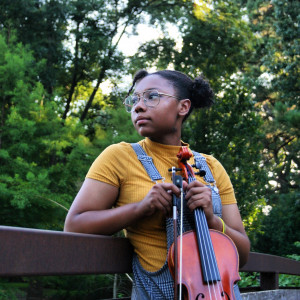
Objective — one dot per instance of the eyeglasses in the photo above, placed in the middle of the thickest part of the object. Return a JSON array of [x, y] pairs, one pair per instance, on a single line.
[[151, 99]]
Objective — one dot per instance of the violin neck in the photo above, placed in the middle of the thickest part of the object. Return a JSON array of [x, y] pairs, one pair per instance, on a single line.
[[209, 266]]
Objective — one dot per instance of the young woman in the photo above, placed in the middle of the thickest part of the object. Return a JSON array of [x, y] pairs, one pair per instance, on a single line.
[[118, 192]]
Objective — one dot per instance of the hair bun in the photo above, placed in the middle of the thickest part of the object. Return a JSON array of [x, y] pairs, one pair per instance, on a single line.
[[202, 94]]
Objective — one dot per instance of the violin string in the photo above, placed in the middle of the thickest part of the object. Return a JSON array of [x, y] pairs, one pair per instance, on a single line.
[[203, 242], [203, 250], [208, 263], [204, 266], [211, 255], [180, 250], [215, 270]]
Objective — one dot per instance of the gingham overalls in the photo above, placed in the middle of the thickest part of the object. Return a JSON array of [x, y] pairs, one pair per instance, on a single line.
[[159, 285]]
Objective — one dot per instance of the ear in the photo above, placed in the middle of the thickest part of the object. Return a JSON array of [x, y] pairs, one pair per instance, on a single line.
[[184, 107]]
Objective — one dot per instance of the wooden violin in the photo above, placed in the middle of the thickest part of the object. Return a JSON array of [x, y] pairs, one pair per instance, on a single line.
[[207, 264]]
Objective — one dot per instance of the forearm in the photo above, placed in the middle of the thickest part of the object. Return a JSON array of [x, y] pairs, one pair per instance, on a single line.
[[106, 222], [241, 242], [240, 239]]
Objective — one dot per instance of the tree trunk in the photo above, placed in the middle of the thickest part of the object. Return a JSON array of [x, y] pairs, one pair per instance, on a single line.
[[90, 101], [75, 77]]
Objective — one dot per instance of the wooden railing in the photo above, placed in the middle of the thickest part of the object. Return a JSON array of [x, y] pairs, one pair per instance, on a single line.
[[31, 252]]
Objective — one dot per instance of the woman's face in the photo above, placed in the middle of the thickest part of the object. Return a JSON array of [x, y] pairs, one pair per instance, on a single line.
[[161, 123]]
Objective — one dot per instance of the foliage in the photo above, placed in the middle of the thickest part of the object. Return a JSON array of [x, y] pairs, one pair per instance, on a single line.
[[279, 227], [230, 132], [249, 279], [64, 287], [291, 280], [41, 160], [273, 75]]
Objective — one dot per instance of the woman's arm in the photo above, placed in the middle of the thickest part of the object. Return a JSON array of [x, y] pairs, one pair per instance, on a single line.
[[234, 228], [92, 210]]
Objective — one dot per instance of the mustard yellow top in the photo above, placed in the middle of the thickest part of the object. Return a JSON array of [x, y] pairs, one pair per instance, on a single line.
[[119, 166]]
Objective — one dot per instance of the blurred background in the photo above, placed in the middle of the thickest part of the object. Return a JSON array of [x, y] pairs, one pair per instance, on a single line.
[[65, 67]]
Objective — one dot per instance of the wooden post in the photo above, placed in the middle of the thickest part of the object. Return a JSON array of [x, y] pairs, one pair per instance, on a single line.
[[269, 281]]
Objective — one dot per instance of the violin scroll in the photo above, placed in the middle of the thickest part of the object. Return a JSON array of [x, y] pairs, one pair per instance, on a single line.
[[183, 156]]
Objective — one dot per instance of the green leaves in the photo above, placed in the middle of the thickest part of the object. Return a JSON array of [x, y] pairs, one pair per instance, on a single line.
[[41, 160], [230, 130]]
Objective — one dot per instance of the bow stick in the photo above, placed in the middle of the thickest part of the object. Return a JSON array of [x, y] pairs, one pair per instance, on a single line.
[[177, 180]]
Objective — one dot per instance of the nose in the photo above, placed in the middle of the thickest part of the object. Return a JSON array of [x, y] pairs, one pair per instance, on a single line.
[[140, 106]]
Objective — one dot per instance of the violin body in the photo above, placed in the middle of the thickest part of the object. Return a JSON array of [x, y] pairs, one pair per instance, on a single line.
[[193, 285]]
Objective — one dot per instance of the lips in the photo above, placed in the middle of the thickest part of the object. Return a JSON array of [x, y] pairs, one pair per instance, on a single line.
[[141, 120]]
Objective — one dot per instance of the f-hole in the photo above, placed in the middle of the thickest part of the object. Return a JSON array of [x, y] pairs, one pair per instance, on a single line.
[[202, 296]]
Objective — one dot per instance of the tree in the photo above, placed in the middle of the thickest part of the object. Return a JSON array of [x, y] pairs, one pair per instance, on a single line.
[[40, 164], [215, 42], [42, 25], [230, 132], [273, 76]]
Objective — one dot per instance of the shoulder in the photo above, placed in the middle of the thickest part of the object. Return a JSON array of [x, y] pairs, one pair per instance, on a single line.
[[112, 164], [118, 150], [222, 179], [113, 156], [118, 147], [212, 162], [216, 167], [218, 171]]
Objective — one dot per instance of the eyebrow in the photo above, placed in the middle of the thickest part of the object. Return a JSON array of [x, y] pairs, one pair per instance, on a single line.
[[156, 89]]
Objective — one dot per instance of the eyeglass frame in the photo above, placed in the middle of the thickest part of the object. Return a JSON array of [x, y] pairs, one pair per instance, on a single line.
[[145, 101]]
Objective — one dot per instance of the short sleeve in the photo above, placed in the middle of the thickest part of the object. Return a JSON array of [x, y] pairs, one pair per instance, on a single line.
[[109, 166]]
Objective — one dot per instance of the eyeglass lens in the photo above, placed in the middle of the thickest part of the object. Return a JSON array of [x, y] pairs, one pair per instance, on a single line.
[[150, 97]]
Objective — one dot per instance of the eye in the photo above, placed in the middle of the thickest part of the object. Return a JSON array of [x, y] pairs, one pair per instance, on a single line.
[[152, 95], [134, 99]]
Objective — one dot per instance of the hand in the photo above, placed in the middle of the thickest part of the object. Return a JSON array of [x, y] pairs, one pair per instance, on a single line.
[[159, 198], [199, 195]]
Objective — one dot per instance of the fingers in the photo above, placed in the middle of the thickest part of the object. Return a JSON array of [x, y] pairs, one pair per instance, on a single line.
[[199, 195], [159, 198]]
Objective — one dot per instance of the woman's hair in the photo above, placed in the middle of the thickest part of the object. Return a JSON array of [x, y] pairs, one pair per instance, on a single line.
[[197, 90]]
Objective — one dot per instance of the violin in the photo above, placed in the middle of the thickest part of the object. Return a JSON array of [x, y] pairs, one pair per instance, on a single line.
[[207, 264]]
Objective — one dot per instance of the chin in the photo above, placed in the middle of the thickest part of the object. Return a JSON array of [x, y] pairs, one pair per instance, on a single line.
[[144, 132]]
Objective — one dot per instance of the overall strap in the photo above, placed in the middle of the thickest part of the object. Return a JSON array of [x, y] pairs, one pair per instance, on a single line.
[[201, 164], [147, 162]]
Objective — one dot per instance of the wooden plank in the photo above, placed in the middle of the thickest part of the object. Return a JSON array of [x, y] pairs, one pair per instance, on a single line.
[[26, 252], [259, 262]]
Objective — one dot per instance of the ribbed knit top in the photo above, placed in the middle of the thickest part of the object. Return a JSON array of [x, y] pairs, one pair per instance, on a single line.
[[119, 166]]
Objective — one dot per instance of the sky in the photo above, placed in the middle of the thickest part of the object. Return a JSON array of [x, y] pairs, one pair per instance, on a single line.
[[129, 45]]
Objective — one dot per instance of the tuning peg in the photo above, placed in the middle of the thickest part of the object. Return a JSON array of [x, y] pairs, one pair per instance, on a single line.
[[202, 173], [175, 169]]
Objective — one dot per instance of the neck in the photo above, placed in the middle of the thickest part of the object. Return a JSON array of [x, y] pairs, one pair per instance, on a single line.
[[170, 137], [172, 141]]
